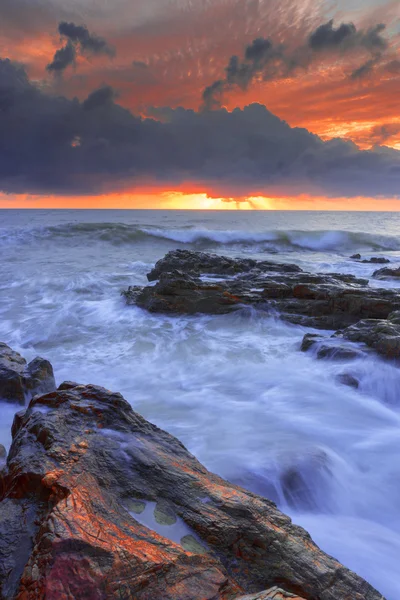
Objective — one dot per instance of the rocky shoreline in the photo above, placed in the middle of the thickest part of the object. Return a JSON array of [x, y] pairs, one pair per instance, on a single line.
[[190, 283], [98, 503]]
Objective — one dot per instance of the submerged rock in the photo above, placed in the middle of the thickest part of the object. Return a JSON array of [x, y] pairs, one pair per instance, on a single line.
[[349, 380], [20, 381], [81, 466], [332, 347], [307, 476], [325, 301]]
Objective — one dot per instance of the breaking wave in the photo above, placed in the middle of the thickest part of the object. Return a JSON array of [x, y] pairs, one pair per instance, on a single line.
[[123, 234]]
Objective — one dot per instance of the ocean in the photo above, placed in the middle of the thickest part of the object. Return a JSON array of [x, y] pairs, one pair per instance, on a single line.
[[235, 389]]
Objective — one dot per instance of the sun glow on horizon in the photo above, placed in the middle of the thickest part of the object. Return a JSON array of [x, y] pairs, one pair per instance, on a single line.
[[196, 200]]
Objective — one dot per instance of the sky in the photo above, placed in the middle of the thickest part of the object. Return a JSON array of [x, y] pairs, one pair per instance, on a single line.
[[284, 104]]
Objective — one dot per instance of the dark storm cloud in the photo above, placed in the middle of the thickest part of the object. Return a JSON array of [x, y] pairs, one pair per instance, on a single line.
[[373, 39], [346, 36], [262, 59], [63, 58], [60, 146], [258, 51], [365, 69], [78, 38], [212, 95], [326, 36], [99, 98], [88, 42]]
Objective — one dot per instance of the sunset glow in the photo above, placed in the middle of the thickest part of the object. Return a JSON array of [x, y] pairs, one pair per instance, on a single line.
[[195, 201]]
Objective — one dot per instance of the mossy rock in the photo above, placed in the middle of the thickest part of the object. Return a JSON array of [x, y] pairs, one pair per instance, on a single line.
[[135, 506], [190, 544], [164, 515]]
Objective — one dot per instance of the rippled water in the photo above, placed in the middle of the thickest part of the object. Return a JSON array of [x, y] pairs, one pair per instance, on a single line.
[[235, 389]]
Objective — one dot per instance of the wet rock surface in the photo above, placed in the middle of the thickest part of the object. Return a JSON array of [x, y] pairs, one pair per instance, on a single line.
[[197, 263], [375, 260], [323, 301], [387, 273], [348, 380], [381, 335], [82, 470], [20, 381]]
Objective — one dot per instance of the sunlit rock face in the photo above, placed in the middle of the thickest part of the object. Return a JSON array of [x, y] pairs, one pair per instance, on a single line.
[[98, 503]]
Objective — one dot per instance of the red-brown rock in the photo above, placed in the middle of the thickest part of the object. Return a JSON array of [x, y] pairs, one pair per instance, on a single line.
[[82, 473]]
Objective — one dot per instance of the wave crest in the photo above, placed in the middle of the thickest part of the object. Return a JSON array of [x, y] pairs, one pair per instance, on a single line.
[[122, 234]]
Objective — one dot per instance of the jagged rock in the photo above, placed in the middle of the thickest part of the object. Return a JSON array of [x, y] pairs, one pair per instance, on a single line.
[[381, 335], [309, 341], [83, 477], [387, 273], [3, 452], [195, 263], [20, 381], [178, 292], [326, 301], [376, 260], [356, 257]]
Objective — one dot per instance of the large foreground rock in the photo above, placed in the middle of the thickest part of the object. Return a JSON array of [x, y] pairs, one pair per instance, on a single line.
[[89, 481], [187, 284], [20, 381]]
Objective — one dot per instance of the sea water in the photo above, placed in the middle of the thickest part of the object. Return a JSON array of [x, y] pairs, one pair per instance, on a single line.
[[235, 389]]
